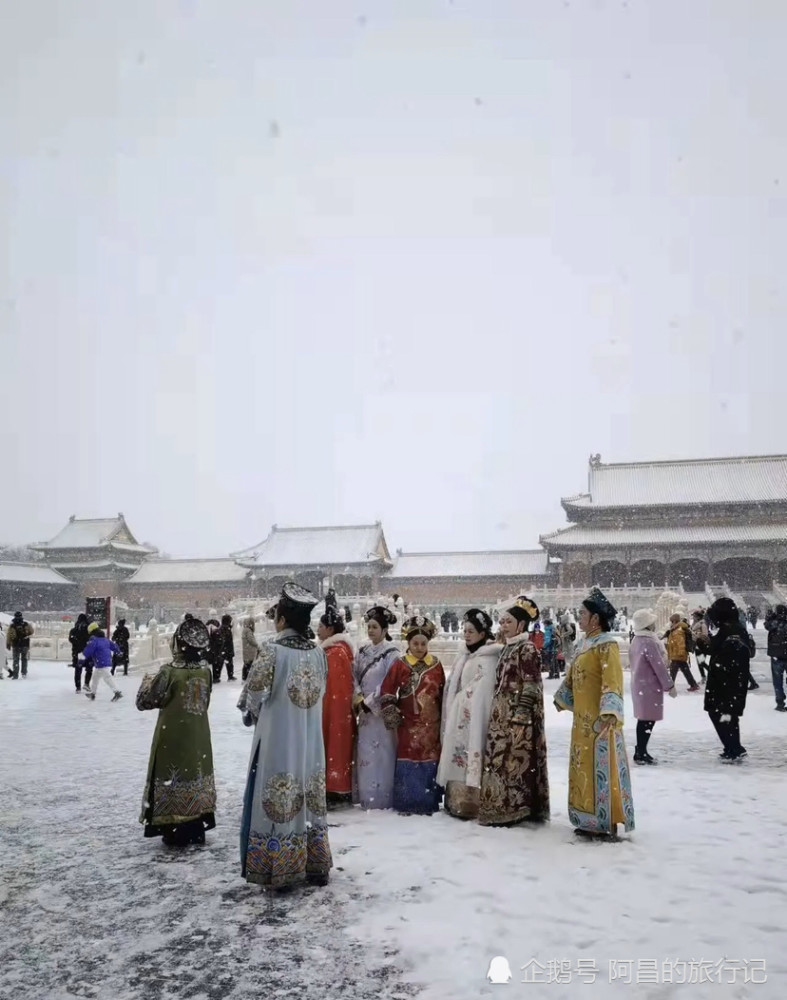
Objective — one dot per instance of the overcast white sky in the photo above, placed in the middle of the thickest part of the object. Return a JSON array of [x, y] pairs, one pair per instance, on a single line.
[[407, 260]]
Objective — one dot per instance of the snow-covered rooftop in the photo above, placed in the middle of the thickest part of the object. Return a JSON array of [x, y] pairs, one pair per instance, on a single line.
[[189, 571], [591, 536], [700, 481], [31, 573], [322, 546], [93, 533], [424, 565]]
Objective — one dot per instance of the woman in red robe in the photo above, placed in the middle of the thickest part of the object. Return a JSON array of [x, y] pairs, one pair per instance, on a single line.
[[338, 721], [411, 700]]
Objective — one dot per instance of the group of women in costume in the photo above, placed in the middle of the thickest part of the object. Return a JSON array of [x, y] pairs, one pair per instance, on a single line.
[[479, 739], [384, 729]]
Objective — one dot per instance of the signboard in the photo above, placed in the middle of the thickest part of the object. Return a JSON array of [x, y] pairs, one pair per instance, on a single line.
[[97, 610]]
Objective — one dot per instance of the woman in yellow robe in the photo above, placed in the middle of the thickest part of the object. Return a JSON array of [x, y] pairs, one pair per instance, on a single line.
[[599, 781]]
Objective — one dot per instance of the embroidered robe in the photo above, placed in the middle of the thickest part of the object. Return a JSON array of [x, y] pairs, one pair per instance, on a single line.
[[467, 702], [416, 688], [179, 787], [515, 784], [284, 830], [599, 782], [375, 751], [338, 721]]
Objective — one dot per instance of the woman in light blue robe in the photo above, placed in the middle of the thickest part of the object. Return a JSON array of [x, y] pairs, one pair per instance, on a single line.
[[375, 750], [284, 829]]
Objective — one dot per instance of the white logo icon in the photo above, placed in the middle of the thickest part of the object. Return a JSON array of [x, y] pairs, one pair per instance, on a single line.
[[499, 971]]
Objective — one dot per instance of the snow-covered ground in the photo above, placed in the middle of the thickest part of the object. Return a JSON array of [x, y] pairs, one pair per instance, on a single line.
[[416, 906]]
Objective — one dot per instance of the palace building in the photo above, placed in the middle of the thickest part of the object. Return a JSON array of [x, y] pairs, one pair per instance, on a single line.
[[351, 559], [639, 526], [690, 523], [99, 554], [469, 578], [35, 587]]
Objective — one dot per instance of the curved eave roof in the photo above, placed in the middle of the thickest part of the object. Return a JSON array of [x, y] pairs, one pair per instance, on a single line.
[[585, 536]]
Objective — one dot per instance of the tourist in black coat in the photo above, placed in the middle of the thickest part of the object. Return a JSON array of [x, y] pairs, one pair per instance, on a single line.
[[728, 676], [78, 637], [225, 648], [121, 637]]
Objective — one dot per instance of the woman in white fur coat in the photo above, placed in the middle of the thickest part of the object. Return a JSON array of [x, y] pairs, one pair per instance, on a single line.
[[467, 701]]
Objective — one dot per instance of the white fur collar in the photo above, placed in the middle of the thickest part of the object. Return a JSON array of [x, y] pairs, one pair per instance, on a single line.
[[334, 640]]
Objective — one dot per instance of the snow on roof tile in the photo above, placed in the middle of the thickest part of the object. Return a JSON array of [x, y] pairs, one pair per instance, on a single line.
[[591, 536], [31, 573], [189, 571], [698, 481], [90, 533], [423, 565], [324, 546]]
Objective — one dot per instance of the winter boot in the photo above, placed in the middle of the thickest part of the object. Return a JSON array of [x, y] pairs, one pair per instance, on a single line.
[[117, 696]]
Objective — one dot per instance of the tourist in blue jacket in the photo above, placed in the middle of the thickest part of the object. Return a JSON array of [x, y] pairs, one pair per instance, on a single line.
[[99, 649]]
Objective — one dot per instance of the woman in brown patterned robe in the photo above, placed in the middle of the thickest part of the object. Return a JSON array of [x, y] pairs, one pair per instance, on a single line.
[[514, 784]]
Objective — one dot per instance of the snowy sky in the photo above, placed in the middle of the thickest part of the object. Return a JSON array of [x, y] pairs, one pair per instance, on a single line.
[[408, 260]]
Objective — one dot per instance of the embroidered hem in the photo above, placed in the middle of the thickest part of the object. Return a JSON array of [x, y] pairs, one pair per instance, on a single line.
[[601, 820]]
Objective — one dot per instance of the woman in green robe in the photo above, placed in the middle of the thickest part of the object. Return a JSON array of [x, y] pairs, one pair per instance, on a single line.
[[180, 793]]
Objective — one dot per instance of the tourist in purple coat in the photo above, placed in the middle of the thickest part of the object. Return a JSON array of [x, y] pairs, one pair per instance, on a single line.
[[650, 678]]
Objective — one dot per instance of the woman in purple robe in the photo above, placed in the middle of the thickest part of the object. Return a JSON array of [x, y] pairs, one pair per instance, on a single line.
[[375, 751]]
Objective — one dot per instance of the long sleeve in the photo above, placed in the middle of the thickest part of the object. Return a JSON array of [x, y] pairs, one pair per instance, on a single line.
[[564, 696], [529, 668], [259, 684], [357, 670], [654, 653], [388, 703], [154, 693], [611, 702], [394, 679], [450, 688], [371, 699]]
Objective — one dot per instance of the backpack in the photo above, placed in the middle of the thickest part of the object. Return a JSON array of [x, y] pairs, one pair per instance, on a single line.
[[691, 643]]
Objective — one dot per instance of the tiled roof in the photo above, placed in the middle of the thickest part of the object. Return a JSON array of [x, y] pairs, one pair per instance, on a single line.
[[91, 533], [189, 571], [701, 481], [91, 564], [426, 565], [324, 546], [590, 536], [31, 573]]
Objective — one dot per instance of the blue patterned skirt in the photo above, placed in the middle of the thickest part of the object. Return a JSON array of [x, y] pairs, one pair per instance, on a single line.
[[415, 787]]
